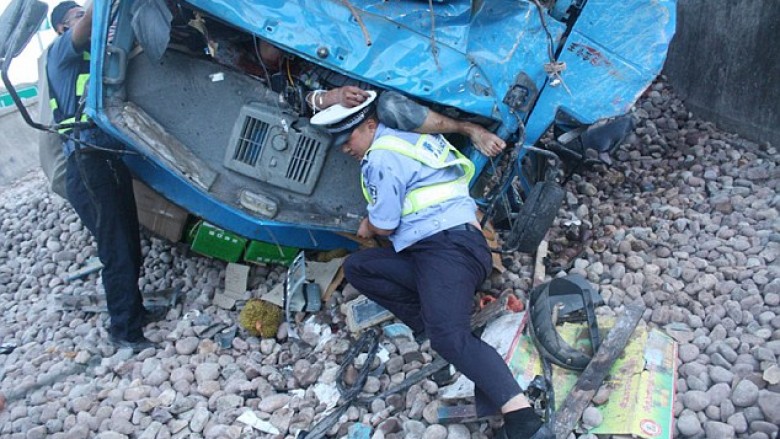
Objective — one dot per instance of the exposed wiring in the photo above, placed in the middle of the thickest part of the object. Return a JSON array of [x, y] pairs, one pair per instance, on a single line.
[[554, 68], [282, 121], [260, 60], [550, 42], [289, 74]]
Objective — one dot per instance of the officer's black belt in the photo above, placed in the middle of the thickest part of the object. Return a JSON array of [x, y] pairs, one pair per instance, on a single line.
[[467, 227]]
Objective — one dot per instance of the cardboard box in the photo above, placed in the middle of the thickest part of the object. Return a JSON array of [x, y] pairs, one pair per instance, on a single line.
[[210, 240], [157, 214], [262, 253]]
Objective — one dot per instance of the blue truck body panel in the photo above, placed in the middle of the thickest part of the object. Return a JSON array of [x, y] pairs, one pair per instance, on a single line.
[[466, 55]]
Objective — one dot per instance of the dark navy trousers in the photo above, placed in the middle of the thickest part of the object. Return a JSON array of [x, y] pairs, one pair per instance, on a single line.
[[430, 286], [99, 188]]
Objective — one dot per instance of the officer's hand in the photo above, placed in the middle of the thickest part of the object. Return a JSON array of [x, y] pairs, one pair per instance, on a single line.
[[365, 231], [348, 96]]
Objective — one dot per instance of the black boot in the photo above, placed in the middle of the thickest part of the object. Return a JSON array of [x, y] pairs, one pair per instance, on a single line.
[[524, 424]]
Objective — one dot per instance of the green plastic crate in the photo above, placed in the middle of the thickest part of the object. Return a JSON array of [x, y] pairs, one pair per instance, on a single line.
[[263, 253], [209, 240]]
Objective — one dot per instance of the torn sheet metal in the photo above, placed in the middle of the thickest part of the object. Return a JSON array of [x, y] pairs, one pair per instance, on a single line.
[[306, 280], [294, 298]]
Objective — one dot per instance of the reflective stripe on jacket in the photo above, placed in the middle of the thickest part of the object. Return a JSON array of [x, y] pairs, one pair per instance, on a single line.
[[60, 115], [432, 151]]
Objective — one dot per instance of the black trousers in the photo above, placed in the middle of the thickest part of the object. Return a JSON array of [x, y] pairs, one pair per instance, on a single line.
[[99, 188], [430, 286]]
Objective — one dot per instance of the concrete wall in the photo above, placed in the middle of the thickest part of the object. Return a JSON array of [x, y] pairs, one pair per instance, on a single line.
[[18, 143], [725, 63]]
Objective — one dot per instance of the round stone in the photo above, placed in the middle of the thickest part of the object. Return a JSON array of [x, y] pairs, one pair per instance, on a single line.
[[745, 394]]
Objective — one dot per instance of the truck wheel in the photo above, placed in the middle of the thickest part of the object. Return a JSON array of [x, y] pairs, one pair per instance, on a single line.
[[535, 217]]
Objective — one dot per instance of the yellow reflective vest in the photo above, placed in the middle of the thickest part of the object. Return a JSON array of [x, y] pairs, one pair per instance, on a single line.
[[81, 84], [432, 151]]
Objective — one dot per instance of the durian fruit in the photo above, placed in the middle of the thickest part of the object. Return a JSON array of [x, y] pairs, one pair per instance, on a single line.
[[260, 318]]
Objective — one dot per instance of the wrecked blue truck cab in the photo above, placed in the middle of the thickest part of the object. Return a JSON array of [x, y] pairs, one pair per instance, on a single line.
[[183, 85]]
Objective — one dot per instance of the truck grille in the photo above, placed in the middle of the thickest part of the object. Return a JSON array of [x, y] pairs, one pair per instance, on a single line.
[[275, 151], [250, 141], [306, 150]]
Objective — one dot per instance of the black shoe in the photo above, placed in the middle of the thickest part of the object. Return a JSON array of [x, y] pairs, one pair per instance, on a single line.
[[543, 432], [154, 313], [137, 346]]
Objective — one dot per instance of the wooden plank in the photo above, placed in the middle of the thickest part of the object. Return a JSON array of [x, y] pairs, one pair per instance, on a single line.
[[457, 414], [589, 382]]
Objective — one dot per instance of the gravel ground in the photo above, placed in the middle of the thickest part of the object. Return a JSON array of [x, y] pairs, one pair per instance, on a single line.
[[686, 221]]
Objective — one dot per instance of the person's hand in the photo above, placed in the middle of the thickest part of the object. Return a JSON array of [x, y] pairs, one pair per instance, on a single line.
[[365, 231], [348, 96]]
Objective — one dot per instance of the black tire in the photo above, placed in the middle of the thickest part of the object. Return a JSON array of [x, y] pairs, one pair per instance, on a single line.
[[535, 217]]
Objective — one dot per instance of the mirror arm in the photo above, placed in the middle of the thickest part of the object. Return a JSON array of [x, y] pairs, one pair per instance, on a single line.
[[32, 12], [18, 101]]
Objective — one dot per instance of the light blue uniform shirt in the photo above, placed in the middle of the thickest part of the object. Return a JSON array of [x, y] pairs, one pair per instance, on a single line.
[[389, 176]]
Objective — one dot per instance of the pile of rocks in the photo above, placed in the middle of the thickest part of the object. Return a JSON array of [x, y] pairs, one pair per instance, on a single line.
[[685, 221]]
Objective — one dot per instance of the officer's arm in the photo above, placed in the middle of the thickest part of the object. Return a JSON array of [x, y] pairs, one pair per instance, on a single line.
[[385, 180], [370, 230], [82, 31]]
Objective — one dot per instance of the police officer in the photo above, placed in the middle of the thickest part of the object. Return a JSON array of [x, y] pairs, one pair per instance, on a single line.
[[417, 192], [98, 184]]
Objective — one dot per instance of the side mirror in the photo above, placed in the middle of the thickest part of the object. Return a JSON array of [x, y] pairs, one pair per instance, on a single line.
[[19, 22]]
